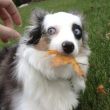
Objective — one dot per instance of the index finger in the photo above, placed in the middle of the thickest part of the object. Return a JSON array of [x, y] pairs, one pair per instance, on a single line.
[[12, 10]]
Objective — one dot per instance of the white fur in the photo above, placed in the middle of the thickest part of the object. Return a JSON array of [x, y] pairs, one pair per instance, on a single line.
[[63, 23], [46, 88]]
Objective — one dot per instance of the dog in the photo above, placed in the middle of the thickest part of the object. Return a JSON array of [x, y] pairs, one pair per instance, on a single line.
[[27, 80]]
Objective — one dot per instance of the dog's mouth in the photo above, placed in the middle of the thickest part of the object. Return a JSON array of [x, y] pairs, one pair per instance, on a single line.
[[66, 54], [63, 53]]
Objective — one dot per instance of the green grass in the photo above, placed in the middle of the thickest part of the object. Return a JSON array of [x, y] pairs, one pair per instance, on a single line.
[[97, 14]]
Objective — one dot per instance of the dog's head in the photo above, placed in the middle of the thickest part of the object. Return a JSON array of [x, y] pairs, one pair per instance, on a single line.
[[60, 31]]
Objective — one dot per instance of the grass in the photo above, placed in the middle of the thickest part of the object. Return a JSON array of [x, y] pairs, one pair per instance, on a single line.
[[98, 16]]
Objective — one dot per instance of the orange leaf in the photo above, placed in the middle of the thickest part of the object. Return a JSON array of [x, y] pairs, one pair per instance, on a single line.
[[51, 52], [102, 91], [60, 59], [100, 88], [109, 24]]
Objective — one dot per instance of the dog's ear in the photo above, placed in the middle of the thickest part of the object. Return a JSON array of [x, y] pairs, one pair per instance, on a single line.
[[37, 18], [79, 14]]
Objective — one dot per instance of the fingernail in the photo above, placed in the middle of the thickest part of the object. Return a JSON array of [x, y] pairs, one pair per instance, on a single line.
[[8, 42], [20, 25], [17, 36]]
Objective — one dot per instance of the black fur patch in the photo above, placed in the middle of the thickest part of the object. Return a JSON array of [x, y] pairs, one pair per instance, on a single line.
[[35, 36], [3, 54], [75, 26], [38, 17], [7, 82], [84, 33]]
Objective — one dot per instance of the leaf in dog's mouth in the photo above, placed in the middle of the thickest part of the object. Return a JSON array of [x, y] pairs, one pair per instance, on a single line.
[[60, 59]]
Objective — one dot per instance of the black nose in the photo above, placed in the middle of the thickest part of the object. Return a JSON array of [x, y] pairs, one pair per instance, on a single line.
[[68, 47]]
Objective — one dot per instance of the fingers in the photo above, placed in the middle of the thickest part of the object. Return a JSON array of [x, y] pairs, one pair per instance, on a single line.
[[5, 40], [5, 17], [11, 9], [8, 33]]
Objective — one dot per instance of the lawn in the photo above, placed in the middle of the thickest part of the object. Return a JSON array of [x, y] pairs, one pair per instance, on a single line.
[[97, 13]]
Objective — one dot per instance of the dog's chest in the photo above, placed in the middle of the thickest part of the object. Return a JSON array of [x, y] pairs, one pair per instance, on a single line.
[[40, 93], [51, 95]]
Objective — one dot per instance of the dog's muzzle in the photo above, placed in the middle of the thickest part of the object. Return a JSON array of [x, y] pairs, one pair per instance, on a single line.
[[68, 47]]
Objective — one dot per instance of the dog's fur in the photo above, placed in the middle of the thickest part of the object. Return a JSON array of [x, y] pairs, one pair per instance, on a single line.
[[27, 81]]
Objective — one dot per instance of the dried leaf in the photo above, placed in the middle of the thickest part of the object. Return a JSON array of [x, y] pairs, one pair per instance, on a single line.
[[108, 36], [109, 24], [60, 59], [100, 88], [51, 52]]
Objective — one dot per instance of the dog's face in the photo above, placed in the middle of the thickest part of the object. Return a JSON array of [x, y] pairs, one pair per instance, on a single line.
[[64, 31], [59, 31]]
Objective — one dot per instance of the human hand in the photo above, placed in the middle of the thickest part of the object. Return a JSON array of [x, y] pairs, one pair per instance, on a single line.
[[9, 12]]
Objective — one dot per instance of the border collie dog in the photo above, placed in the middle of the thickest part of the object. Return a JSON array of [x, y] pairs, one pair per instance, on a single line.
[[27, 81]]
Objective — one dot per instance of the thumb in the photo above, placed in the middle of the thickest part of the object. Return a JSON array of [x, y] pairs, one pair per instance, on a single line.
[[8, 33]]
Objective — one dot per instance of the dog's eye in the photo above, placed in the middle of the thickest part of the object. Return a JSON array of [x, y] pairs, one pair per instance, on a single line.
[[51, 31], [77, 31]]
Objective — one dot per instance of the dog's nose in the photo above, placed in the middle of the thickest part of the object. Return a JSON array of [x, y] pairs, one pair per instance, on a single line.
[[68, 47]]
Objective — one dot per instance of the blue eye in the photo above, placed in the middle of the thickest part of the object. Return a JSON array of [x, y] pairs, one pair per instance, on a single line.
[[51, 31], [77, 31]]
